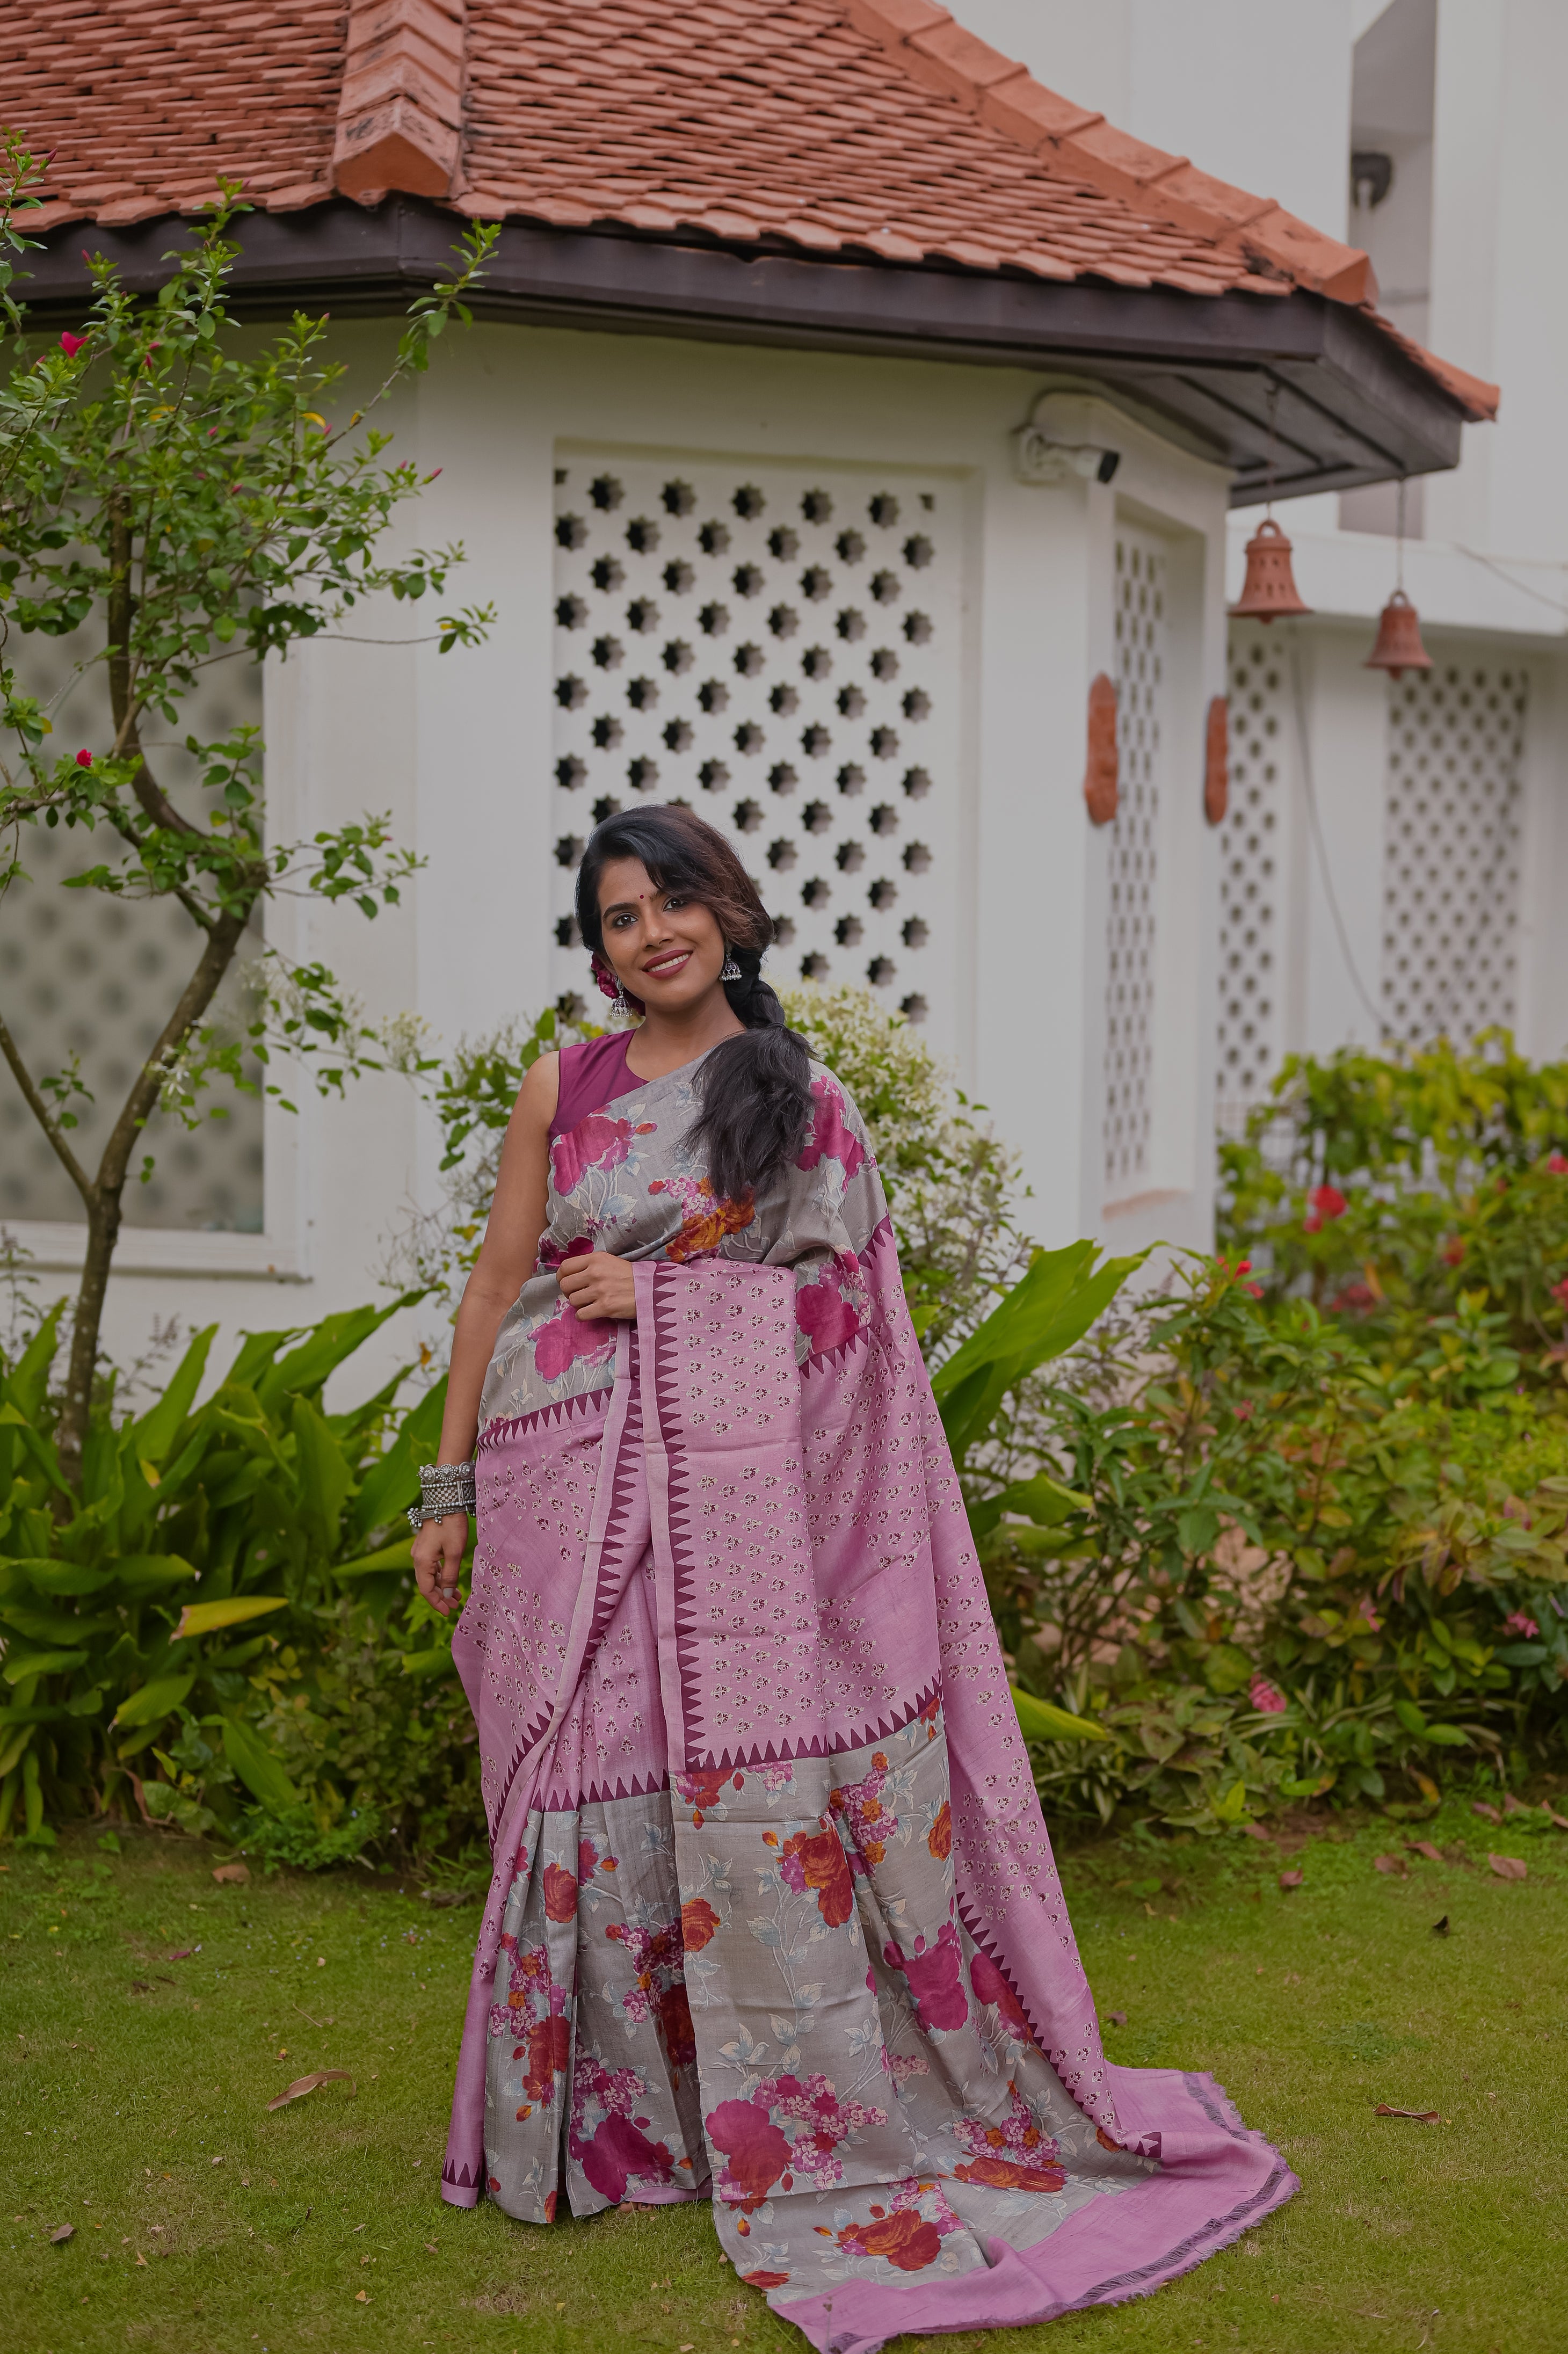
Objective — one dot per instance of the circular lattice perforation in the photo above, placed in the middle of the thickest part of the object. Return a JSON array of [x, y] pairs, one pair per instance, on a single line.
[[1133, 861], [778, 647], [1250, 1028], [1451, 859]]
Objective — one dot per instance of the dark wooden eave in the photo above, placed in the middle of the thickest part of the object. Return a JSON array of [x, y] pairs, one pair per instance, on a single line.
[[1348, 406]]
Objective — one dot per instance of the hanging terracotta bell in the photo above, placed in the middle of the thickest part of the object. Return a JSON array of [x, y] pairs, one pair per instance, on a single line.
[[1399, 646], [1270, 585]]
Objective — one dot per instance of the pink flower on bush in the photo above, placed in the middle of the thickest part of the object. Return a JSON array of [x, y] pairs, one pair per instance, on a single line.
[[1266, 1698], [1370, 1615], [1558, 1164], [1518, 1623], [84, 759], [70, 345], [1324, 1203]]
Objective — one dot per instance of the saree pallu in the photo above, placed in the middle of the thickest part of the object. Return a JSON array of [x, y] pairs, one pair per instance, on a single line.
[[774, 1919]]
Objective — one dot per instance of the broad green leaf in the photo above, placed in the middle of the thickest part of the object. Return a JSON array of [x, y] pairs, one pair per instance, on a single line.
[[396, 1556], [150, 1573], [1231, 1807], [151, 1437], [1041, 1500], [256, 1766], [26, 1385], [55, 1576], [20, 1665], [393, 1481], [324, 1473], [1410, 1716], [1227, 1668], [207, 1618], [1449, 1737], [55, 1627], [153, 1701], [428, 1663], [1042, 1720], [1046, 1312], [325, 1345]]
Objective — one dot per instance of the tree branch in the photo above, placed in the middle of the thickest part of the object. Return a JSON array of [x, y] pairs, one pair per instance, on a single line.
[[127, 742], [45, 1117], [223, 939]]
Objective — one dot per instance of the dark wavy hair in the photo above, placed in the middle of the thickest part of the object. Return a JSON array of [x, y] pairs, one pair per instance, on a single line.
[[756, 1089]]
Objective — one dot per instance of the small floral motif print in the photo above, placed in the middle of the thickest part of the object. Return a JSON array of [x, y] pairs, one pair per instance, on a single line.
[[698, 1923], [933, 1980], [817, 1859], [596, 1142], [560, 1892], [860, 1811], [991, 1986], [1013, 2155], [707, 1217], [830, 1139], [939, 1838], [760, 2154], [589, 1860]]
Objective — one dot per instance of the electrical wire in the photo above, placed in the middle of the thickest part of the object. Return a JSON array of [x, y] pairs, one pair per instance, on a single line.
[[1522, 586]]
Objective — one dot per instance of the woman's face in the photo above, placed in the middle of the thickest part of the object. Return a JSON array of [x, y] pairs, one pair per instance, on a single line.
[[663, 946]]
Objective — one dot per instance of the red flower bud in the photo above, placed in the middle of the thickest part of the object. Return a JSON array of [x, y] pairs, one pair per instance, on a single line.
[[1328, 1201], [70, 345], [84, 760], [1453, 1251]]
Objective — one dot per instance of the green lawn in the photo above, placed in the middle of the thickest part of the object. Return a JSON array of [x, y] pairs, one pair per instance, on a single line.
[[204, 2222]]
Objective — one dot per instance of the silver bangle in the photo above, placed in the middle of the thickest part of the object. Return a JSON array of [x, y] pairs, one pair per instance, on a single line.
[[444, 1487]]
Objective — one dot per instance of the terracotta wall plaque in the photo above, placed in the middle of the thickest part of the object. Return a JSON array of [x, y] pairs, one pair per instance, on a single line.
[[1100, 774], [1217, 762]]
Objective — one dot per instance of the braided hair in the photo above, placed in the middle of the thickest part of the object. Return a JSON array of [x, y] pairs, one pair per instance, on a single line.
[[755, 1090]]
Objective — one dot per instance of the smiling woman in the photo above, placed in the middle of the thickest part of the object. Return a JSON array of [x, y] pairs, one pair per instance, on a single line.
[[774, 1921]]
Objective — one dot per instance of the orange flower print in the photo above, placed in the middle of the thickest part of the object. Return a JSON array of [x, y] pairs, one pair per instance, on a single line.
[[1006, 2174], [939, 1838], [904, 2238], [817, 1859], [707, 1219], [699, 1923], [560, 1892], [765, 2280]]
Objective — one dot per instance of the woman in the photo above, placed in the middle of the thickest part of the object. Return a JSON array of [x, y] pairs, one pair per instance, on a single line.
[[774, 1920]]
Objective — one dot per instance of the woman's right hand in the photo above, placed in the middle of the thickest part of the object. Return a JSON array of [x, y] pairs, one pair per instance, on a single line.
[[439, 1549]]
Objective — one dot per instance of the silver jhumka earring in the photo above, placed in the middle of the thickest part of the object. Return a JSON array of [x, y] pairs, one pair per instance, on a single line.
[[732, 972]]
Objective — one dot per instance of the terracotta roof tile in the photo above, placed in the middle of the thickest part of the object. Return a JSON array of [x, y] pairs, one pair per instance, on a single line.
[[851, 126]]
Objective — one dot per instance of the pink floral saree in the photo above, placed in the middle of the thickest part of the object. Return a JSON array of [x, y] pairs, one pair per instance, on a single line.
[[774, 1919]]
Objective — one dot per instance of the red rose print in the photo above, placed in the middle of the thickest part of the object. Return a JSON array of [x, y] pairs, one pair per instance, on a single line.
[[756, 2150], [597, 1142], [1006, 2174], [560, 1892], [825, 1316], [617, 2152], [549, 2048], [990, 1986], [567, 1337], [675, 2019], [765, 2280], [939, 1838], [831, 1139], [698, 1923], [817, 1859], [933, 1981], [904, 2238]]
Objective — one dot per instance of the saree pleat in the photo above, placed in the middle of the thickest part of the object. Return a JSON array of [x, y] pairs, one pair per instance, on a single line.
[[774, 1918]]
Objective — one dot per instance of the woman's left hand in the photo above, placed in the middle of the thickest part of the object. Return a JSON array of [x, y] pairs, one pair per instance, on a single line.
[[599, 1284]]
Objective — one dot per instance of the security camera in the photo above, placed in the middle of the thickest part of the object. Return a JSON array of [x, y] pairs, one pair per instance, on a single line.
[[1038, 459]]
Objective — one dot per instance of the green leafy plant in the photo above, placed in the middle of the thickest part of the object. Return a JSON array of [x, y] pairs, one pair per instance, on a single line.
[[185, 492], [222, 1616]]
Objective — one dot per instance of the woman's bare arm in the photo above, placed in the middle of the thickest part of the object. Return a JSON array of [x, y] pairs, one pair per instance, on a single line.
[[506, 1260]]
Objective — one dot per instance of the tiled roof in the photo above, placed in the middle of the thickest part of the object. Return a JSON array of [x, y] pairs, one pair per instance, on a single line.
[[831, 126]]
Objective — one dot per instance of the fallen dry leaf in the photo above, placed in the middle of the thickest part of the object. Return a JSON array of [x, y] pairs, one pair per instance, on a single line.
[[1420, 2116], [1117, 2018], [304, 2084], [239, 1873], [430, 2248], [1440, 1928], [1508, 1867], [1292, 1879], [1488, 1813], [62, 2232], [1426, 1848], [362, 2297], [1394, 1864], [140, 2259], [180, 1954]]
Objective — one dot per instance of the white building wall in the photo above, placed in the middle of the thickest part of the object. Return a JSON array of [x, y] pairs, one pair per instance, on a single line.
[[459, 748]]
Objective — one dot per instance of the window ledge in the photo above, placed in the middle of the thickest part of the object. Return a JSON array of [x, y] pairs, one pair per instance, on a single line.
[[55, 1246]]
